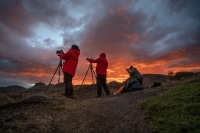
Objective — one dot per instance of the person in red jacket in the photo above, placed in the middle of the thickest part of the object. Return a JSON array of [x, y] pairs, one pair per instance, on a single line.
[[101, 71], [69, 68]]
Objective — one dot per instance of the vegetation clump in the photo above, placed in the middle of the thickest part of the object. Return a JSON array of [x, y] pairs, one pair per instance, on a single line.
[[177, 110]]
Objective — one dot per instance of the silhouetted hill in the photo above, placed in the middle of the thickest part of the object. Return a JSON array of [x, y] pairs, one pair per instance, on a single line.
[[53, 112], [148, 79], [39, 85], [12, 89]]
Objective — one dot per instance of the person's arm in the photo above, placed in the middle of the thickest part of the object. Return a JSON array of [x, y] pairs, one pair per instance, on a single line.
[[92, 60], [64, 56]]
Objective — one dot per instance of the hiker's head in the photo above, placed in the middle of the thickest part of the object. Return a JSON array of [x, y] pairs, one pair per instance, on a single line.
[[102, 55], [131, 67], [74, 46]]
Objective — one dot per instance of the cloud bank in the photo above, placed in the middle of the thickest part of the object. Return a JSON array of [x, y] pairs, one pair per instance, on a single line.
[[154, 36]]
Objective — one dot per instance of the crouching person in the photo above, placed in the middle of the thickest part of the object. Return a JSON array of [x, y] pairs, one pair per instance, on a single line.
[[101, 71], [129, 85], [134, 73], [133, 83]]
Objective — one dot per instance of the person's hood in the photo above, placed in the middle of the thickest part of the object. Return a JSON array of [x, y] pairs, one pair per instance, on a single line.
[[77, 52], [102, 55], [74, 46]]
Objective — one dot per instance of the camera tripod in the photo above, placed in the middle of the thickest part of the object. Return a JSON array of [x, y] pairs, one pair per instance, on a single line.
[[59, 67], [93, 74]]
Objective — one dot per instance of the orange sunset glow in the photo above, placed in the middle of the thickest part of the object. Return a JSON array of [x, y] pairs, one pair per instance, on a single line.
[[153, 36]]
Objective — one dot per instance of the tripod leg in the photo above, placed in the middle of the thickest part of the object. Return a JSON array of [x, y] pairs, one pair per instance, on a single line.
[[84, 78], [59, 76], [51, 79], [93, 74]]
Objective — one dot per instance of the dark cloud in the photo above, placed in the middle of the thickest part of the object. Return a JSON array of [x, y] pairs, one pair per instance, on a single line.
[[146, 34], [115, 33], [15, 19], [49, 41], [191, 7]]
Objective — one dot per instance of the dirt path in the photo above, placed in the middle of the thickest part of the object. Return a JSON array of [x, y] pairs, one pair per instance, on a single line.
[[122, 113], [118, 113]]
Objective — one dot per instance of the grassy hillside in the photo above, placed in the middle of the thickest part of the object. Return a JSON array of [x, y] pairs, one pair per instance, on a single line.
[[34, 111], [177, 110]]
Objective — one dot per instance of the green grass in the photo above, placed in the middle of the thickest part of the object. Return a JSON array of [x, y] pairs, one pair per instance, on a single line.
[[177, 110]]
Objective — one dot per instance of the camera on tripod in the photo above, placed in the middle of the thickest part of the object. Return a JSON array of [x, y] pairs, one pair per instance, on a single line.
[[59, 52]]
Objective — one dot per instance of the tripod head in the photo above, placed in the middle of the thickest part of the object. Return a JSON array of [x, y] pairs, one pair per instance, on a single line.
[[88, 59]]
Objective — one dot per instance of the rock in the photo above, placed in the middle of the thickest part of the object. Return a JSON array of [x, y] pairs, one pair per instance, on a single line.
[[39, 85], [38, 97]]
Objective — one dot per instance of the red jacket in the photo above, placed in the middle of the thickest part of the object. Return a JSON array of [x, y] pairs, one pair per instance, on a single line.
[[71, 61], [102, 64]]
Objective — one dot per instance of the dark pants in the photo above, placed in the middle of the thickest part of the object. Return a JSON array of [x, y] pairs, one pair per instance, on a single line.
[[101, 82], [68, 85], [140, 80]]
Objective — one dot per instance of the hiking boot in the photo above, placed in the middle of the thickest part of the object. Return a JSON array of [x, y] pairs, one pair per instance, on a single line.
[[97, 97], [70, 97]]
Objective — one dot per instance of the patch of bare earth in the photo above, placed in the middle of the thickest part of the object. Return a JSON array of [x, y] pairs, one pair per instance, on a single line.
[[55, 113]]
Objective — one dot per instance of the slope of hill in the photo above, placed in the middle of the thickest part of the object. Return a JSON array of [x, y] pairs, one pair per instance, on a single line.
[[120, 113], [52, 112], [150, 78], [176, 110]]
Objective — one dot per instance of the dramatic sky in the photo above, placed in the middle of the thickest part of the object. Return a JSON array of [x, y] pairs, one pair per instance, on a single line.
[[155, 36]]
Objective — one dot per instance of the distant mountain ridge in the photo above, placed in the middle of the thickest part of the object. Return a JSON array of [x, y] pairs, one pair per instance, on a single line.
[[12, 89], [148, 79], [159, 77]]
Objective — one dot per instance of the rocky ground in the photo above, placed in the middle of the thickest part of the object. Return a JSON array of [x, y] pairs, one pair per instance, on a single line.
[[35, 111], [54, 113]]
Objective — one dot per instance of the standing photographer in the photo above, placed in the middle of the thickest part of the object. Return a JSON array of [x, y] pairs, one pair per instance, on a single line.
[[69, 68], [101, 70]]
